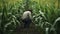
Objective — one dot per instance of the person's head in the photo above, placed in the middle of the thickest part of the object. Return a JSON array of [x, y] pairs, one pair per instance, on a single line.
[[29, 10]]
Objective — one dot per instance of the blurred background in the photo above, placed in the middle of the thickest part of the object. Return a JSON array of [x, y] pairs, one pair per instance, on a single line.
[[46, 15]]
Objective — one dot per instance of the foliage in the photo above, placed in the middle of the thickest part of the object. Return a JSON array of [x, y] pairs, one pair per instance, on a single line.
[[44, 15]]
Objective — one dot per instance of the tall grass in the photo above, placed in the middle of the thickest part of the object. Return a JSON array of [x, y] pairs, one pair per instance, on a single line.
[[44, 14]]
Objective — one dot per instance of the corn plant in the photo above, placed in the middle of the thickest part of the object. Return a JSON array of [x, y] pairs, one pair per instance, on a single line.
[[44, 15]]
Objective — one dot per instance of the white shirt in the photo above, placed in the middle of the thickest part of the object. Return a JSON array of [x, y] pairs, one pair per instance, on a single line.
[[26, 14]]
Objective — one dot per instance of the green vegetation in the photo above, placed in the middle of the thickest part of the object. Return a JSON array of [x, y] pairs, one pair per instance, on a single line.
[[45, 14]]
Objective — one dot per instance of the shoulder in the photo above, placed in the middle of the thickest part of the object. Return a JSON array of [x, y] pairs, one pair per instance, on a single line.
[[27, 12]]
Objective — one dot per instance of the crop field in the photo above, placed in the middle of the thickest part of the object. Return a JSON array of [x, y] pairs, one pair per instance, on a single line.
[[45, 16]]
